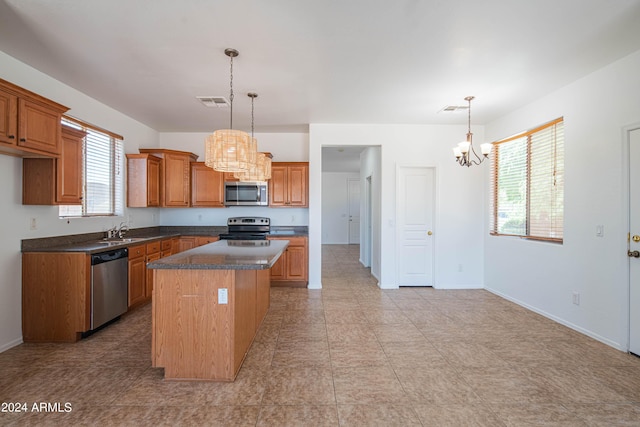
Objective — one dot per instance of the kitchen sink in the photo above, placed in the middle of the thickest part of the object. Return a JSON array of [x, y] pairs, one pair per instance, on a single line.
[[113, 242]]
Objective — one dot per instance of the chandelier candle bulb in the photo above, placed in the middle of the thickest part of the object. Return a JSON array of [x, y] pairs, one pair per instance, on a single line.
[[464, 147], [465, 154]]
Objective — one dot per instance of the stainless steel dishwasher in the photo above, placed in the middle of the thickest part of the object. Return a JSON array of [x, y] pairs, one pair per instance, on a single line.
[[109, 285]]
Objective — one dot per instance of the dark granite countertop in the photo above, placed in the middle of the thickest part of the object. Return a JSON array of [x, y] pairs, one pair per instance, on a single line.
[[226, 255], [92, 243]]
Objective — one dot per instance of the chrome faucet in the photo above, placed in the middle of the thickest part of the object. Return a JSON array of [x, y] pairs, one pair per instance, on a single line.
[[122, 229], [112, 232]]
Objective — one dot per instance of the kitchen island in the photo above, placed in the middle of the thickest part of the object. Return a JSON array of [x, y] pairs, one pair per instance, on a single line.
[[208, 303]]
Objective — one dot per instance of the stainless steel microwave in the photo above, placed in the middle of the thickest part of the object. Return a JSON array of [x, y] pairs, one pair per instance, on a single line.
[[238, 193]]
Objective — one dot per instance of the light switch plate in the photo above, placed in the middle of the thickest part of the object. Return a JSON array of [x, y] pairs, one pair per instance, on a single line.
[[223, 296]]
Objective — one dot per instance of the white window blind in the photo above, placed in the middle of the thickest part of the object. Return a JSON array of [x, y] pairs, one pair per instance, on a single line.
[[103, 175], [528, 184]]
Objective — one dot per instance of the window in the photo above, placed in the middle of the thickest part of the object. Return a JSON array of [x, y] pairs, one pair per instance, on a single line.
[[528, 184], [103, 176]]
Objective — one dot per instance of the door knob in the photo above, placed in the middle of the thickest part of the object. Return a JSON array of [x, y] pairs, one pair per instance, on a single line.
[[636, 238], [429, 233], [634, 254]]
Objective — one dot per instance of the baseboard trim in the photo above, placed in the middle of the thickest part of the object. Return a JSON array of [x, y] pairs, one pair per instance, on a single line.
[[561, 321], [11, 344]]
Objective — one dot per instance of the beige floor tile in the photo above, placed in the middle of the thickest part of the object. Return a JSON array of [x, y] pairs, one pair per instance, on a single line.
[[606, 414], [298, 415], [350, 333], [367, 385], [383, 415], [397, 333], [413, 354], [346, 355], [456, 415], [435, 384], [294, 354], [299, 386], [537, 415], [303, 332], [505, 385]]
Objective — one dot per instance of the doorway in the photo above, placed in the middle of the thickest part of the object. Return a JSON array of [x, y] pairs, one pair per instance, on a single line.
[[634, 241], [353, 187]]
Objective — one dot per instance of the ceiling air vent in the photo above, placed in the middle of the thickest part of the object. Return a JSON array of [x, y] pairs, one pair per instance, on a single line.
[[454, 108], [214, 101]]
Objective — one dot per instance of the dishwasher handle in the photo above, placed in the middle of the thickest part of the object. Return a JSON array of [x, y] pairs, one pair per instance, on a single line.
[[113, 255]]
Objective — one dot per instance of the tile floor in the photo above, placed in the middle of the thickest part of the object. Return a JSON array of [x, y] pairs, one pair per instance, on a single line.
[[348, 355]]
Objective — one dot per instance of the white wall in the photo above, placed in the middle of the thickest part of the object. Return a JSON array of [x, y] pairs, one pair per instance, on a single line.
[[459, 219], [370, 161], [335, 207], [15, 217], [543, 276]]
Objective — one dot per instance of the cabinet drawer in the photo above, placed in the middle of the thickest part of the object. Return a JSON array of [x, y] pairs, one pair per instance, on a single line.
[[136, 251], [293, 241], [153, 247], [165, 245]]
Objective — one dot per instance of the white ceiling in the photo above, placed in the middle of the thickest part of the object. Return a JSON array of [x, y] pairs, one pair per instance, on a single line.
[[327, 61]]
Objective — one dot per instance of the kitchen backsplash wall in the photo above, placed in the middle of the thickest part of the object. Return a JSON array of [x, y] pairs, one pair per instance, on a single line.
[[204, 216]]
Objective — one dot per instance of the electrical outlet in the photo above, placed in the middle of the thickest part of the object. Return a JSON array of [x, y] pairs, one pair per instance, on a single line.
[[223, 296], [576, 298], [33, 224]]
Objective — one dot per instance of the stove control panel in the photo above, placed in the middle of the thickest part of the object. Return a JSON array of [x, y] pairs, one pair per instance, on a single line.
[[248, 220]]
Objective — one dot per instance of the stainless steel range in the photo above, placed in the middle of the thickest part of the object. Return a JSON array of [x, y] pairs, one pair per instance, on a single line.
[[247, 228]]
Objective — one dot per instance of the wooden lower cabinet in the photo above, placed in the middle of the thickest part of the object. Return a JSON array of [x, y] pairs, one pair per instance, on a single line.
[[137, 275], [153, 254], [56, 296], [189, 242], [193, 335], [291, 269]]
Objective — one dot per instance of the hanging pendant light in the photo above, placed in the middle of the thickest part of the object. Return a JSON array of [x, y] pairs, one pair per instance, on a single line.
[[260, 170], [464, 149], [229, 150]]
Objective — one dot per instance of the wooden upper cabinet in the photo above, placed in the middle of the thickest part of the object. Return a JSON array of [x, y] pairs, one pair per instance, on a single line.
[[143, 180], [29, 123], [207, 186], [55, 181], [289, 184], [175, 176]]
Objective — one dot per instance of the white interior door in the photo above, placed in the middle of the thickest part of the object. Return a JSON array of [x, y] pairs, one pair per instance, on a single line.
[[634, 242], [415, 211], [354, 211]]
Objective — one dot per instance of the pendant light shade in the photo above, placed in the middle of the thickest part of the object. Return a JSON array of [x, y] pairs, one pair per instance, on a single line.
[[229, 150]]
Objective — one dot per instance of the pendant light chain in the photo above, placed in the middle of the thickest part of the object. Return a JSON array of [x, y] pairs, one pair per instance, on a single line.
[[231, 93]]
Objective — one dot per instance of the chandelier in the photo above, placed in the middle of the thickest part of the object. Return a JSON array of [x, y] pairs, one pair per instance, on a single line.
[[260, 169], [464, 150], [229, 150]]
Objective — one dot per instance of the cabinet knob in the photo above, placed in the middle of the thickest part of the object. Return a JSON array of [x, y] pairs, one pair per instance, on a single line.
[[23, 140], [12, 137]]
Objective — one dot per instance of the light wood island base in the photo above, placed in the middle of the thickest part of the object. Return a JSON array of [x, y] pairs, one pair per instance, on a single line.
[[195, 335]]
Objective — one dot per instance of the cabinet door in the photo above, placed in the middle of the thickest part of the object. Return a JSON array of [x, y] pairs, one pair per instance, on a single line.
[[207, 186], [298, 178], [278, 271], [186, 243], [296, 263], [69, 168], [278, 186], [153, 182], [137, 279], [39, 127], [176, 180], [8, 118], [149, 282]]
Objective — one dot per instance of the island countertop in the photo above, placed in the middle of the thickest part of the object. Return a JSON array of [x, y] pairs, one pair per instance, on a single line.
[[226, 255]]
